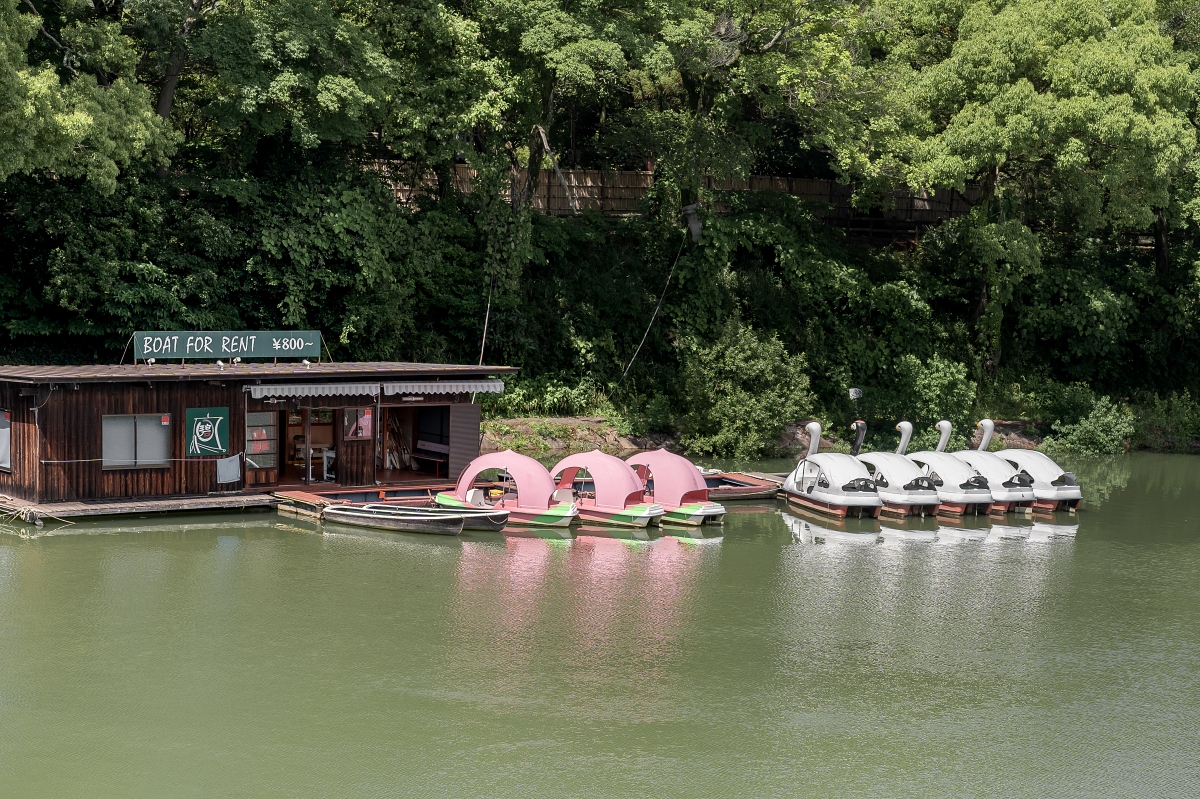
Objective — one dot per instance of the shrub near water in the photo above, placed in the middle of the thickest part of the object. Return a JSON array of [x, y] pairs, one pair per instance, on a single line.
[[741, 392], [923, 392], [1170, 423], [1102, 432], [542, 396]]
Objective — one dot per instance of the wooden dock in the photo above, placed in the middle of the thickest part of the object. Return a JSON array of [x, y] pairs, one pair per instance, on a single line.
[[34, 514], [303, 504]]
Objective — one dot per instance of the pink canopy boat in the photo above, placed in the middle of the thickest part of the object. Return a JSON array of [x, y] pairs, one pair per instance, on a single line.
[[675, 483], [616, 495], [529, 498]]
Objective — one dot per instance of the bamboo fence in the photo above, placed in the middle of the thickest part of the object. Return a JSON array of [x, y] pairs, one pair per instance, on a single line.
[[618, 193]]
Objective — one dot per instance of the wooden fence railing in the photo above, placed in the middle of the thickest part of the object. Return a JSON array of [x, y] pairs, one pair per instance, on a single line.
[[619, 193]]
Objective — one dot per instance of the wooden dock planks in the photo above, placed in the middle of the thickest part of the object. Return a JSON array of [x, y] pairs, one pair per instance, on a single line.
[[123, 507]]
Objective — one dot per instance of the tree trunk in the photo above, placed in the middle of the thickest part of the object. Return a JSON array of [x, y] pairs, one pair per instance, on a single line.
[[533, 170], [574, 153], [1162, 254], [166, 96]]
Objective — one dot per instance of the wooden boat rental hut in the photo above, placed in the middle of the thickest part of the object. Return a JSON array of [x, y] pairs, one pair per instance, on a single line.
[[71, 433]]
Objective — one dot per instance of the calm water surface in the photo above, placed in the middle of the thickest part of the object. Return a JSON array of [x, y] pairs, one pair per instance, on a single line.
[[253, 656]]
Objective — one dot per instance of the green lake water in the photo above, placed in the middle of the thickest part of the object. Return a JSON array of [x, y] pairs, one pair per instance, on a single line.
[[254, 656]]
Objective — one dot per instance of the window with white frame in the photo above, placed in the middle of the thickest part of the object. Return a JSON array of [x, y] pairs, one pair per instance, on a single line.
[[137, 441], [5, 441]]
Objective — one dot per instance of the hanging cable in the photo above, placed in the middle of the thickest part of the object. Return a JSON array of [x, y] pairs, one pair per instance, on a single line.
[[656, 309], [486, 317]]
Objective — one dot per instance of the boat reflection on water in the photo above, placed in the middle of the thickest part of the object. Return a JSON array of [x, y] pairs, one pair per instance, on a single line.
[[1007, 532], [553, 535], [694, 535], [850, 531], [944, 530], [909, 528], [630, 535], [952, 529], [633, 536], [1043, 531]]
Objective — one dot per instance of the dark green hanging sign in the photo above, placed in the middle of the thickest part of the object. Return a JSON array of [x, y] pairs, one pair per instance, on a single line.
[[207, 432], [211, 345]]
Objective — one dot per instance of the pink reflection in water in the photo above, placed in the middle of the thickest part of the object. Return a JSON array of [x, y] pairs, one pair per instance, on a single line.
[[603, 605], [497, 598]]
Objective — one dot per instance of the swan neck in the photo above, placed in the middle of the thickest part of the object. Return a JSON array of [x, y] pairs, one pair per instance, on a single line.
[[905, 437], [944, 427], [987, 426], [860, 428], [814, 438]]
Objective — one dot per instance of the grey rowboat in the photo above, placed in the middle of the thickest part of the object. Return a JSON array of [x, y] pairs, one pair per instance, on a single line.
[[473, 519], [415, 522]]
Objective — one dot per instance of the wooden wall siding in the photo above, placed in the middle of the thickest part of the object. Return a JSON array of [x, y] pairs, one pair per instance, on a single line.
[[71, 426], [20, 483], [618, 193], [355, 461], [464, 437]]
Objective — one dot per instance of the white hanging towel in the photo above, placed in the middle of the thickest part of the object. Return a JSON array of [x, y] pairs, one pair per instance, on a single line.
[[229, 470]]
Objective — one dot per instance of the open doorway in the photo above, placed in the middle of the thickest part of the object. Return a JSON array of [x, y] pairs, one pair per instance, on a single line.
[[416, 444], [318, 454]]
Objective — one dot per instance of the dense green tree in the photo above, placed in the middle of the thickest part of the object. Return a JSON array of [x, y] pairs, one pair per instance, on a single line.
[[358, 167]]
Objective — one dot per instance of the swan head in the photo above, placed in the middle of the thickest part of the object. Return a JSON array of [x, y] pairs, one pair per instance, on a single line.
[[987, 426], [905, 429], [944, 427], [814, 437]]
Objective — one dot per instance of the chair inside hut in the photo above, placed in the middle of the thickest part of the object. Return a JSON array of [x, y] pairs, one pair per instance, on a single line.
[[320, 455]]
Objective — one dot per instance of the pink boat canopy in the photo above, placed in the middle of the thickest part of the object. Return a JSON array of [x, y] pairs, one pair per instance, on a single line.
[[535, 489], [677, 481], [616, 484]]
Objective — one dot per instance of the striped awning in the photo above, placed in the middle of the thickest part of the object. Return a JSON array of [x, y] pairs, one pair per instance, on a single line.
[[315, 390], [445, 387]]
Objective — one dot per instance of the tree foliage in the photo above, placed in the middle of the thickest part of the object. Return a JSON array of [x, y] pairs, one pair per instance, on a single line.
[[187, 163]]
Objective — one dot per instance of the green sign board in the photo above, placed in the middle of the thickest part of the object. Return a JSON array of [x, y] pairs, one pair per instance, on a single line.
[[207, 432], [212, 345]]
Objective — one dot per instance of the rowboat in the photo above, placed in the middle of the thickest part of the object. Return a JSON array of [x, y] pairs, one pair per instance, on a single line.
[[473, 518], [739, 485], [414, 522]]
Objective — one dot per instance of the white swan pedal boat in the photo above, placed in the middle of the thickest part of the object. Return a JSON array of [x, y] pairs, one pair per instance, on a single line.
[[1011, 489], [1053, 488], [962, 490], [831, 482], [902, 486]]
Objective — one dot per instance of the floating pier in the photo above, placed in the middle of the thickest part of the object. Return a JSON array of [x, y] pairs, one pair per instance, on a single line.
[[67, 511]]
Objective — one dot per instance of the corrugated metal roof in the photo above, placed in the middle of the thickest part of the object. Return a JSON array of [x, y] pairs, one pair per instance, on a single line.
[[174, 372], [445, 387]]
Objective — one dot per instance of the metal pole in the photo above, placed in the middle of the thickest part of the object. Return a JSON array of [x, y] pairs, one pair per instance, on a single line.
[[377, 436], [307, 441]]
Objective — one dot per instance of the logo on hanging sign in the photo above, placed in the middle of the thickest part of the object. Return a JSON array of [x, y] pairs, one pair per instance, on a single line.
[[207, 432]]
